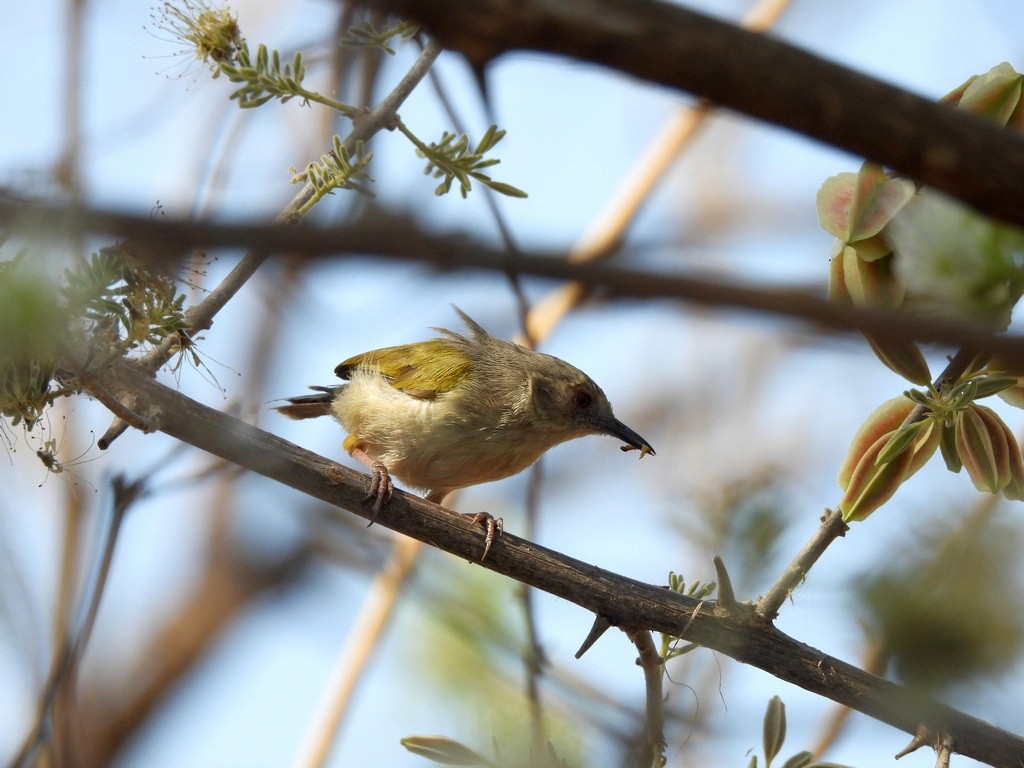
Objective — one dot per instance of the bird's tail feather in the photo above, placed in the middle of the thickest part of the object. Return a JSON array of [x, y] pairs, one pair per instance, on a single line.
[[309, 406]]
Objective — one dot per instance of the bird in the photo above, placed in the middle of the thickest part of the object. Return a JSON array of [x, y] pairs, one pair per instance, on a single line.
[[458, 410]]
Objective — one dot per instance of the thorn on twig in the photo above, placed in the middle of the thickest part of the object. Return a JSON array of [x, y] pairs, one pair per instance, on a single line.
[[921, 738], [601, 625], [480, 79], [726, 593], [117, 428]]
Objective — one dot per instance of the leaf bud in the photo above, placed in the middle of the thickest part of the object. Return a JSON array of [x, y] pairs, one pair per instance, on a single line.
[[884, 419], [901, 357], [982, 447]]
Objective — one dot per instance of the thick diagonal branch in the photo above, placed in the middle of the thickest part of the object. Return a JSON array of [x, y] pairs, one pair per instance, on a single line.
[[626, 602], [758, 75]]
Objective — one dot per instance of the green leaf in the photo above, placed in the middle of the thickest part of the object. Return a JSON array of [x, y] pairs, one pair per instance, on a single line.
[[901, 357], [993, 385], [963, 394], [949, 452], [506, 189], [799, 760], [441, 749], [774, 729], [901, 440], [858, 206], [919, 397]]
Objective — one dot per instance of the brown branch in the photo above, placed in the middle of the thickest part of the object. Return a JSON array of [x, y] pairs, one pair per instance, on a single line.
[[763, 77], [398, 237], [625, 601]]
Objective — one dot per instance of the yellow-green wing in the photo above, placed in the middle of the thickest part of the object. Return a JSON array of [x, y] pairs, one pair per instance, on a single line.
[[424, 369]]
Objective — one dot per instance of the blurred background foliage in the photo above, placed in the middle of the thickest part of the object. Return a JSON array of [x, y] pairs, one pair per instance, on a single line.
[[229, 599]]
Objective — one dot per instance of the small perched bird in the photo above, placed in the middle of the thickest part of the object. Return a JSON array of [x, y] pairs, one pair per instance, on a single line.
[[459, 410]]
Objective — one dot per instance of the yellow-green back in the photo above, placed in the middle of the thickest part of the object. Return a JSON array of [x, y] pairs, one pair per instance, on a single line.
[[422, 369]]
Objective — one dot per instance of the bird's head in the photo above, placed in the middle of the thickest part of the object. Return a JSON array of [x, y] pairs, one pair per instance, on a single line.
[[567, 403]]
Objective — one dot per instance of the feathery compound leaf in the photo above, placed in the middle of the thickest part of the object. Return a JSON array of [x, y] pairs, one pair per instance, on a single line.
[[368, 36], [265, 79], [451, 159], [107, 304], [338, 169]]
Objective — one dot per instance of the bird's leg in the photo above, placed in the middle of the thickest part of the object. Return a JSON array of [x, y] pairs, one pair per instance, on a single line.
[[380, 481], [493, 527]]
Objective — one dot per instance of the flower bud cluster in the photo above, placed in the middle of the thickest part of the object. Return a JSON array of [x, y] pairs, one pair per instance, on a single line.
[[895, 441]]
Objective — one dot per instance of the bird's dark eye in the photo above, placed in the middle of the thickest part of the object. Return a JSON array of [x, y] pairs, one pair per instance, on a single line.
[[583, 399]]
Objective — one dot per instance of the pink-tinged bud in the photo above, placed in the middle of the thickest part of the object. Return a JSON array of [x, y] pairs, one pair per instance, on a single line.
[[924, 447], [901, 441], [1014, 395], [872, 485], [995, 95], [903, 358], [837, 274], [855, 207], [1014, 490], [982, 447], [1001, 439], [1005, 364], [884, 419], [870, 283]]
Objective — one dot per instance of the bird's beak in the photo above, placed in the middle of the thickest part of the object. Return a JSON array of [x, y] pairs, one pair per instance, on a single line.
[[633, 441]]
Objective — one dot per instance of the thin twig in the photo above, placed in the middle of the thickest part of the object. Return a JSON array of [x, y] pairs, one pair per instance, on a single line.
[[491, 201], [112, 714], [200, 316], [68, 171], [652, 753], [943, 752], [832, 525], [380, 601], [74, 519], [73, 645], [533, 655]]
